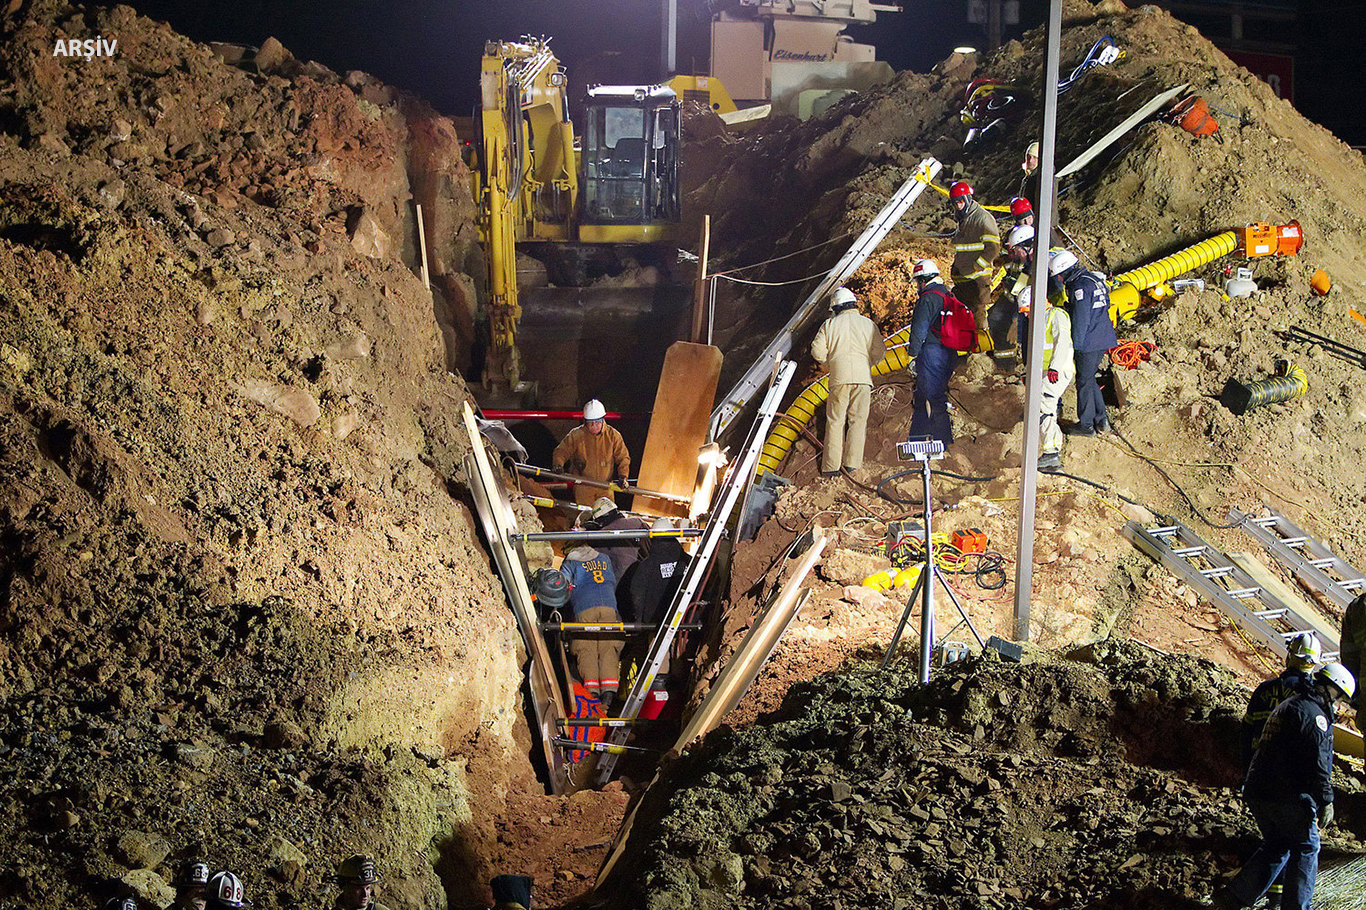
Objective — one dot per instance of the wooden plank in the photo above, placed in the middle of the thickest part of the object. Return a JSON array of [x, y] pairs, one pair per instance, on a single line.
[[1325, 629], [1347, 741], [678, 425], [1127, 124]]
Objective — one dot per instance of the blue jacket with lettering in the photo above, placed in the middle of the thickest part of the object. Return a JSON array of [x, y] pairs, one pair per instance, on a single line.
[[1089, 301], [1294, 756], [1264, 700], [592, 583]]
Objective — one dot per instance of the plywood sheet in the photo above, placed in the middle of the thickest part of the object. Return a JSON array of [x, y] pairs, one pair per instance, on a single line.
[[678, 425], [1325, 629]]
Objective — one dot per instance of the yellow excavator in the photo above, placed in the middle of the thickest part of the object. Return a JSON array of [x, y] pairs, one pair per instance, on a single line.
[[535, 184]]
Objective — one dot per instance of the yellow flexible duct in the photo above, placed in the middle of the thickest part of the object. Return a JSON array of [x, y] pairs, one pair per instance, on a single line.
[[1128, 286], [789, 426]]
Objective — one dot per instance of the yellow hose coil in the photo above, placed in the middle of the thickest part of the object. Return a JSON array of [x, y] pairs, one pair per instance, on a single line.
[[1129, 285], [790, 424]]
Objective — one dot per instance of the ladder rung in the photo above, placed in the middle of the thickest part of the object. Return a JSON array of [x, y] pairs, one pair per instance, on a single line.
[[1188, 551], [1269, 614], [1217, 571], [1320, 563], [1244, 592], [1294, 541], [1264, 522], [1165, 531], [1351, 584]]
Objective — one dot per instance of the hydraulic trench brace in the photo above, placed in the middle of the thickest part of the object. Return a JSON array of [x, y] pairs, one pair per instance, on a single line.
[[1329, 345], [530, 470], [575, 745], [698, 568], [605, 536]]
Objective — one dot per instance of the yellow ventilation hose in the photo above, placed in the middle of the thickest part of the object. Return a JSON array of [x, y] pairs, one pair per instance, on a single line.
[[1129, 285], [790, 425]]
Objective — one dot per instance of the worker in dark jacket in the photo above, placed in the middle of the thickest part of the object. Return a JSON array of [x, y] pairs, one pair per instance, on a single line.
[[1092, 335], [934, 363], [593, 598], [653, 586], [1290, 794], [607, 517], [1353, 655], [1301, 656]]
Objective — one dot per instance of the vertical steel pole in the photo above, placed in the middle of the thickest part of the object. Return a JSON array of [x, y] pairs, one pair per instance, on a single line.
[[1043, 227], [668, 54], [927, 585]]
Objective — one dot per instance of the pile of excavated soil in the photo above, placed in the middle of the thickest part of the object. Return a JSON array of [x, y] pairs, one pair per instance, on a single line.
[[1099, 778], [245, 614]]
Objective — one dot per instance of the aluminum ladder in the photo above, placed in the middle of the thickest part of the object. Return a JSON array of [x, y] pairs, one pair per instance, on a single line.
[[1256, 610], [1318, 567]]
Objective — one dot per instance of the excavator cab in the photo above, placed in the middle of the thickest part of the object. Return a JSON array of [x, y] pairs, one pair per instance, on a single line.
[[628, 183]]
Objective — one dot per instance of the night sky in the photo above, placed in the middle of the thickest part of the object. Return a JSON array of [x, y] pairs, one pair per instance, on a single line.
[[433, 47]]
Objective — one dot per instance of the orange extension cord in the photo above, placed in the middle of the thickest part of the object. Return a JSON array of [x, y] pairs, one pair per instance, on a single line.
[[1129, 354]]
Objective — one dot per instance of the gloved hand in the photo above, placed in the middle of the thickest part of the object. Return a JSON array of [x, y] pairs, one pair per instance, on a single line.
[[1052, 375], [1325, 815]]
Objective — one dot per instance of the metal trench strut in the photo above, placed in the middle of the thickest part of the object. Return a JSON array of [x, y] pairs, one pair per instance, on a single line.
[[736, 482], [1256, 610], [1306, 556], [812, 308]]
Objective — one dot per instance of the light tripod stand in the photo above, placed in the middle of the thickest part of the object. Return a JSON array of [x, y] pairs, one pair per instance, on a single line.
[[925, 450]]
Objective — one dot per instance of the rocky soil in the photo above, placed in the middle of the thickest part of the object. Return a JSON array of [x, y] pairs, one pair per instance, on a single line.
[[245, 613]]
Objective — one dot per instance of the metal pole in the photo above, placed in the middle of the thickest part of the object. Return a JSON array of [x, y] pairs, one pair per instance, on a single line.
[[1038, 309], [927, 586], [699, 302], [605, 535], [530, 470], [668, 54]]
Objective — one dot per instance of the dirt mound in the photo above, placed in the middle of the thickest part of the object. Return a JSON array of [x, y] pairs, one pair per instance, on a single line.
[[1095, 779]]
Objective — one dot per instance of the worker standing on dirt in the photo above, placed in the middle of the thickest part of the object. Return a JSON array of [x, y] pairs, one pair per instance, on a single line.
[[1301, 656], [607, 517], [1290, 794], [1353, 644], [593, 598], [1057, 367], [934, 362], [592, 450], [357, 875], [976, 244], [847, 344], [1092, 335]]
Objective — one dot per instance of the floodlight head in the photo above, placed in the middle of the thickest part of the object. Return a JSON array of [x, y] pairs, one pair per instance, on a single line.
[[922, 448]]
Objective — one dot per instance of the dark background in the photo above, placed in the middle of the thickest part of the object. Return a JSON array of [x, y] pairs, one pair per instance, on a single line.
[[433, 47]]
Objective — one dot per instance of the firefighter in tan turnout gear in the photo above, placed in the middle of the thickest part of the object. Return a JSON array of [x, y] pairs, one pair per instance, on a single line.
[[592, 450], [847, 345]]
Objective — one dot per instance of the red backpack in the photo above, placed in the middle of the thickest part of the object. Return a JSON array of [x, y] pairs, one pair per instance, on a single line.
[[957, 325]]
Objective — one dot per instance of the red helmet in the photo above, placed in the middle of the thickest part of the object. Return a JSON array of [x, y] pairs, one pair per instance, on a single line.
[[959, 190], [1020, 206]]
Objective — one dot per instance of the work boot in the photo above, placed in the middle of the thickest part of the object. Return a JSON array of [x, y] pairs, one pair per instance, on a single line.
[[1104, 426], [1006, 359], [1076, 429], [1050, 462]]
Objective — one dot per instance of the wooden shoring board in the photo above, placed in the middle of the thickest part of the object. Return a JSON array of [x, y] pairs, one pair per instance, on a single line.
[[547, 698], [678, 426], [1258, 572]]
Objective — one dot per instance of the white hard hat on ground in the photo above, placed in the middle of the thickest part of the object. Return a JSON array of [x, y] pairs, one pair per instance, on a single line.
[[594, 410]]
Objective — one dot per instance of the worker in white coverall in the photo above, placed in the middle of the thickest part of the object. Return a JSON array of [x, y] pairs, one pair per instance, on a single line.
[[1058, 367], [847, 345]]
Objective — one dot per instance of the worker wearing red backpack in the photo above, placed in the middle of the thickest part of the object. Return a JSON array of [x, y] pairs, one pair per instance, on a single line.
[[941, 328]]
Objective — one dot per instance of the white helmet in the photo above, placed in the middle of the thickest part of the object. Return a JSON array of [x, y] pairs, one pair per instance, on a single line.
[[594, 410], [1302, 651], [1021, 233], [662, 524], [1060, 261], [601, 506], [926, 269], [842, 297], [1336, 674], [225, 892]]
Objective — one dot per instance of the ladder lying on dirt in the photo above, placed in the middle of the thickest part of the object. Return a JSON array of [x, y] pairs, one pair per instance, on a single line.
[[1262, 615], [1308, 558]]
